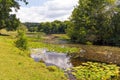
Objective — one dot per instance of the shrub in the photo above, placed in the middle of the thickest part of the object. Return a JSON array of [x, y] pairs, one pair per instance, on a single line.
[[21, 42]]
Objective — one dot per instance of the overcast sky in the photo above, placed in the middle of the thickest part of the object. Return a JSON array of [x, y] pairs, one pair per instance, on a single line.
[[46, 10]]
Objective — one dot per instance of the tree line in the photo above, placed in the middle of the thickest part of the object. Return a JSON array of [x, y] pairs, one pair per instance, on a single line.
[[55, 27]]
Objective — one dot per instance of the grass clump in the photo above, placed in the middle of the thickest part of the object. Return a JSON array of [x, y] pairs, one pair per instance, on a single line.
[[96, 71]]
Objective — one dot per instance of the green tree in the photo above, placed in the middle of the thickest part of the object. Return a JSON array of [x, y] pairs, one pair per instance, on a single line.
[[33, 29], [56, 27], [115, 37], [92, 20], [8, 20]]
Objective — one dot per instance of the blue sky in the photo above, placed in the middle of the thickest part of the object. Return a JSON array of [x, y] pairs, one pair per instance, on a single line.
[[33, 3], [45, 10]]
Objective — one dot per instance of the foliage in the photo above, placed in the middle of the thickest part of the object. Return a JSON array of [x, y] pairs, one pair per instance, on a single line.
[[32, 27], [96, 71], [48, 27], [22, 42], [8, 20], [95, 21]]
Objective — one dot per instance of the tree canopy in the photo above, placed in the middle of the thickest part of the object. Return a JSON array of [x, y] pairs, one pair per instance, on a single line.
[[95, 21], [8, 20], [55, 27]]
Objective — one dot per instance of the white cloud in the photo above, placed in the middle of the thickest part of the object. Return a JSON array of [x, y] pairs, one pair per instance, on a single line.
[[49, 11]]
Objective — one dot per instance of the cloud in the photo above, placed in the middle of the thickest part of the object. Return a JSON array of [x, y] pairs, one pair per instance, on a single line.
[[49, 11]]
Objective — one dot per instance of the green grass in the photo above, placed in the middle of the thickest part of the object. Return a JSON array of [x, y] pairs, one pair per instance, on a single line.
[[55, 48], [35, 42], [17, 65]]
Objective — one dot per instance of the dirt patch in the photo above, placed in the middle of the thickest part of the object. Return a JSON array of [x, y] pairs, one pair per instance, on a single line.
[[102, 56]]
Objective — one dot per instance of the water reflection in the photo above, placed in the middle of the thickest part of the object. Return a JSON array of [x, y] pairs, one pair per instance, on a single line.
[[51, 58]]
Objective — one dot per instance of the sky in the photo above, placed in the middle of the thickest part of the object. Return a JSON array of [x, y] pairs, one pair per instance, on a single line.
[[45, 10]]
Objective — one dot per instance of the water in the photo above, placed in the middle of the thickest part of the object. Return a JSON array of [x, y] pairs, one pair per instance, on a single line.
[[60, 60]]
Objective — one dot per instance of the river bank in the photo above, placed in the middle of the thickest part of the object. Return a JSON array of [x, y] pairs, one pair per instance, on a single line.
[[60, 43], [21, 61], [79, 71]]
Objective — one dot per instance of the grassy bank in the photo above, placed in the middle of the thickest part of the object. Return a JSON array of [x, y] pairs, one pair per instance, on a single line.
[[17, 65]]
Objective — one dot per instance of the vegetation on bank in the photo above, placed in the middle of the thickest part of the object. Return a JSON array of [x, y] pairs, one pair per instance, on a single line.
[[16, 64], [54, 48], [91, 22], [96, 71], [36, 40], [85, 71], [21, 41], [14, 60], [95, 22]]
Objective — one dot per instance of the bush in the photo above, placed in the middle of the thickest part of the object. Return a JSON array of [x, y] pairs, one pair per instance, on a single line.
[[21, 42]]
